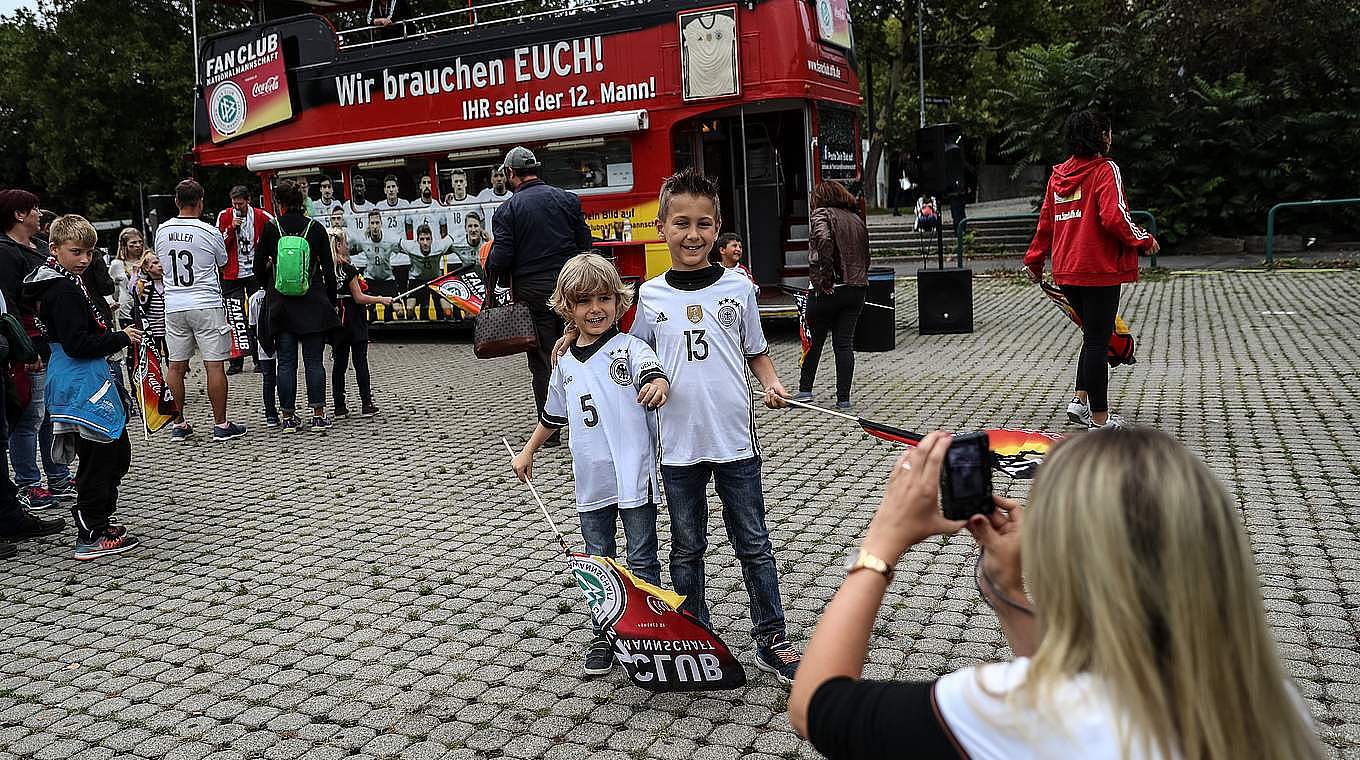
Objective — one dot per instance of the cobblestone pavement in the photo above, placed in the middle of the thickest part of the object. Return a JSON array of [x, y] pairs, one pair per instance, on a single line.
[[387, 590]]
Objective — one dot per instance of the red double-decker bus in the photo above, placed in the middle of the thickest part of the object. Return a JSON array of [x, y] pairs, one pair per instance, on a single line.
[[612, 97]]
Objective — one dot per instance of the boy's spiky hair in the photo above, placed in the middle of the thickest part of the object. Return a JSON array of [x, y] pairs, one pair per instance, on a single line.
[[688, 181], [73, 228], [585, 275]]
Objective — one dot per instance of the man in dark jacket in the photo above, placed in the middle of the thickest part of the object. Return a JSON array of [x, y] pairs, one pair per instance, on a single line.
[[534, 234], [288, 322]]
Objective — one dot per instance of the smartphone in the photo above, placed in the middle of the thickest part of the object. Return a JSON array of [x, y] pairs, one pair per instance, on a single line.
[[966, 477]]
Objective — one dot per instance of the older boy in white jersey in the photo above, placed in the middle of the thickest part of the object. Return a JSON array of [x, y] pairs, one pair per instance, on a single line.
[[602, 388], [192, 253], [703, 321]]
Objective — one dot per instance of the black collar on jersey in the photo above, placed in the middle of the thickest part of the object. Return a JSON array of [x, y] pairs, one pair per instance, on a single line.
[[583, 353], [697, 279]]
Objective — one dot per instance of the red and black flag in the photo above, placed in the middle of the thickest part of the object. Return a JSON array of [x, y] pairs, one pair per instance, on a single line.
[[1120, 349], [661, 648], [237, 320]]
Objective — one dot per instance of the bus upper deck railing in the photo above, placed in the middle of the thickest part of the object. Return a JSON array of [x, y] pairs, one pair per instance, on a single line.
[[962, 228], [1270, 218], [471, 20]]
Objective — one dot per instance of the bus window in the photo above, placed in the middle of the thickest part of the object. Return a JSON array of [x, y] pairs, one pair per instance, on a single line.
[[590, 164], [392, 188]]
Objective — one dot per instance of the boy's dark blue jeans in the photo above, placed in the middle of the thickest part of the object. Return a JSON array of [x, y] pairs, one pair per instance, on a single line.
[[738, 487], [600, 531]]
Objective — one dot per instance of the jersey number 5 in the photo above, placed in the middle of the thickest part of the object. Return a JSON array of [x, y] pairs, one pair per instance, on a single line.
[[182, 274], [695, 345], [588, 409]]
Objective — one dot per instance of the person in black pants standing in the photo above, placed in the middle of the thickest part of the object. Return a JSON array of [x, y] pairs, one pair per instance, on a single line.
[[838, 268], [1085, 225], [534, 234]]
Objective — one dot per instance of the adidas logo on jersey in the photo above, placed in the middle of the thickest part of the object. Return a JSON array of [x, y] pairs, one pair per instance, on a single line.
[[660, 317]]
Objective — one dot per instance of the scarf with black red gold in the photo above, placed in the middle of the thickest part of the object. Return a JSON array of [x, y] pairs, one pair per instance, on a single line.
[[80, 283]]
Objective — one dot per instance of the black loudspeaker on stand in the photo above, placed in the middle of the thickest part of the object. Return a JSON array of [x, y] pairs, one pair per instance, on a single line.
[[945, 301]]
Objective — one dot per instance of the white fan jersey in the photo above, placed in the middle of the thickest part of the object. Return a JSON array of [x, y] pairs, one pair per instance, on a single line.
[[456, 213], [191, 252], [490, 202], [356, 218], [593, 391], [704, 338], [710, 55], [430, 214], [324, 208]]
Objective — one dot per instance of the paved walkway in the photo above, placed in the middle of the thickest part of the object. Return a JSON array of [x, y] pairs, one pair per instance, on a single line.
[[387, 590]]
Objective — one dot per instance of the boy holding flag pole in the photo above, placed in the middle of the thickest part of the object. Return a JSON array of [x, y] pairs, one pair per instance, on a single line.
[[602, 389]]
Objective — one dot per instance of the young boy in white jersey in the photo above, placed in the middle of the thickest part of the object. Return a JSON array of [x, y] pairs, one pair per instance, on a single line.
[[602, 388], [703, 322]]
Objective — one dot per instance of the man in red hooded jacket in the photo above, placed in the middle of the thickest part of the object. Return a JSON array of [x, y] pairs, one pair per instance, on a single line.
[[241, 224], [1085, 224]]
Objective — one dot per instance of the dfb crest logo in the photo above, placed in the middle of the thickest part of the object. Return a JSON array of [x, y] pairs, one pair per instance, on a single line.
[[603, 589]]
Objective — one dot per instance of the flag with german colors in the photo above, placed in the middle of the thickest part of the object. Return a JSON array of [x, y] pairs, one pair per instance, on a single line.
[[1015, 452], [1120, 348], [159, 406], [660, 647]]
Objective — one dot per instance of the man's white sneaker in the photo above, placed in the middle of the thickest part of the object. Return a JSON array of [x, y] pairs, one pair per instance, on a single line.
[[1113, 421], [1078, 413]]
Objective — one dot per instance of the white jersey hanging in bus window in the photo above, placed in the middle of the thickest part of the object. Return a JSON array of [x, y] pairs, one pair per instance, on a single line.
[[708, 51]]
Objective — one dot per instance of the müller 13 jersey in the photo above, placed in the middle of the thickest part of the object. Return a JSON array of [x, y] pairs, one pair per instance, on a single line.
[[704, 326], [191, 251], [594, 389]]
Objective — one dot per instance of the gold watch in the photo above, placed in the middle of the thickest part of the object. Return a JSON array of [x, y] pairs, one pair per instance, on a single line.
[[859, 559]]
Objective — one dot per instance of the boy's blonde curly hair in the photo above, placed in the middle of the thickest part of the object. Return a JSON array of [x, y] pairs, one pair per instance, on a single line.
[[583, 276]]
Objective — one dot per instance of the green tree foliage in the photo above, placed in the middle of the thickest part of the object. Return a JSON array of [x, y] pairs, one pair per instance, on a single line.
[[97, 99], [1220, 109]]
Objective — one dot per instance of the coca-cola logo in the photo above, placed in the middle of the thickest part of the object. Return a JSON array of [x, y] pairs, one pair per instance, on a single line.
[[264, 88]]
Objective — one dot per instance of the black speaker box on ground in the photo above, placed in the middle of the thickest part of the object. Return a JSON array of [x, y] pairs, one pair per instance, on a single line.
[[945, 301]]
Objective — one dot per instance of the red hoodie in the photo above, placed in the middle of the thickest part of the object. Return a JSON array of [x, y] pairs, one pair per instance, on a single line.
[[1085, 222]]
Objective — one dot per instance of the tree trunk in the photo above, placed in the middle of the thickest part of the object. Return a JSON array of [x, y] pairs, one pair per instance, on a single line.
[[883, 119]]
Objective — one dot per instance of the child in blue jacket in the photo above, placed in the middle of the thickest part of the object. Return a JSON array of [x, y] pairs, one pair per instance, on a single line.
[[88, 410]]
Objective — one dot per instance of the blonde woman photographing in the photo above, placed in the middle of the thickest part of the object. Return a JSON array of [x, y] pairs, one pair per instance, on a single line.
[[1135, 618]]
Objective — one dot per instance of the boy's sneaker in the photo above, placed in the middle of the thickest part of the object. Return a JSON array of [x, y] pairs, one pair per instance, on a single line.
[[779, 658], [291, 423], [271, 422], [1078, 413], [843, 405], [65, 492], [21, 525], [36, 498], [803, 396], [320, 424], [368, 410], [1113, 421], [181, 433], [110, 540], [228, 431], [599, 656], [340, 413]]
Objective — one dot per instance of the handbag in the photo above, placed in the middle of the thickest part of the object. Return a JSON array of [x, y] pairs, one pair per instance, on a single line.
[[21, 348], [503, 330]]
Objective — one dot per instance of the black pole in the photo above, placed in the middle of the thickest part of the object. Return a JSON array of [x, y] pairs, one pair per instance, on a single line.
[[939, 239]]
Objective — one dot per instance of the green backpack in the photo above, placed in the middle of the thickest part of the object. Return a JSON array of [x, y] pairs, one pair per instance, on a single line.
[[293, 264]]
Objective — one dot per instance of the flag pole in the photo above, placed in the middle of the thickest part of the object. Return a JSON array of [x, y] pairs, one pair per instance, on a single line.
[[141, 357], [527, 481], [815, 408]]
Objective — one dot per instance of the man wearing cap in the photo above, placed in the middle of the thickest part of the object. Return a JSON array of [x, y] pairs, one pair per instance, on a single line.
[[533, 235]]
